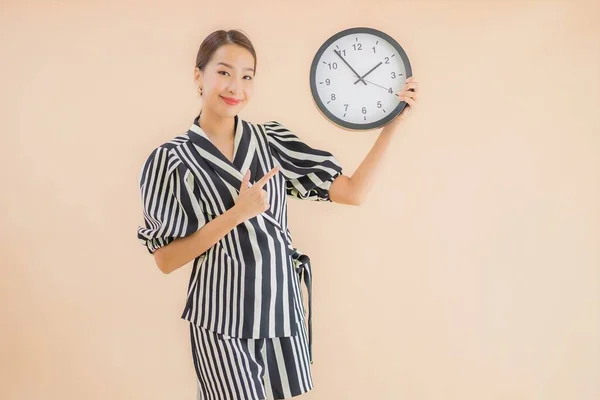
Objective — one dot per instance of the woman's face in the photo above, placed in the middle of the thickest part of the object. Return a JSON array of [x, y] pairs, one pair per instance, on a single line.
[[229, 74]]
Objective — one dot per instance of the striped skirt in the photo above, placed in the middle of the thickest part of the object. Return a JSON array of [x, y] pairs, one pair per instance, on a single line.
[[250, 369]]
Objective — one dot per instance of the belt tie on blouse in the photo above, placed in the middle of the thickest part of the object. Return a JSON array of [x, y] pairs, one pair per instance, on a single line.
[[305, 272]]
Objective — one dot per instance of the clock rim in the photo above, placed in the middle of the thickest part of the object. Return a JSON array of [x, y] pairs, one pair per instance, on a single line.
[[313, 85]]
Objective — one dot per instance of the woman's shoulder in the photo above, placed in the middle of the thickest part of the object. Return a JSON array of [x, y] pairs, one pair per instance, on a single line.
[[161, 153], [273, 125], [175, 142], [169, 147], [164, 156], [275, 130]]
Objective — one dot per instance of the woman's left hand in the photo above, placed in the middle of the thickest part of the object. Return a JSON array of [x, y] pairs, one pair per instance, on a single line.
[[409, 95]]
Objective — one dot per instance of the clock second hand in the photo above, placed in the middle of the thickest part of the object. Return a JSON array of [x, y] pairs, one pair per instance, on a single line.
[[373, 83]]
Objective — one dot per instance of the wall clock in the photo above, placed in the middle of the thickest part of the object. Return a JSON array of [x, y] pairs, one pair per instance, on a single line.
[[355, 77]]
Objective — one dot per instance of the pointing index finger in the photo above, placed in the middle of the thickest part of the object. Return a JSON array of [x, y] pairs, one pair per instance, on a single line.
[[267, 176]]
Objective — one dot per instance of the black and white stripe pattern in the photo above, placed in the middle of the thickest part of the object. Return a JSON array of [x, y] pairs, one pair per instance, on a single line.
[[248, 284], [248, 369]]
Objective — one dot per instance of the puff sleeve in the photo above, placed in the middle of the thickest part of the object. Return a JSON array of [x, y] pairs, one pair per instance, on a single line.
[[308, 172], [170, 206]]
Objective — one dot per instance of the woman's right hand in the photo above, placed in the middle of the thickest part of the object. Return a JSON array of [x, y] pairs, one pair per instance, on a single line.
[[253, 200]]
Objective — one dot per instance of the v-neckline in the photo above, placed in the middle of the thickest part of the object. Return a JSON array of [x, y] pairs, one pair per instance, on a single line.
[[223, 154], [244, 152], [237, 136]]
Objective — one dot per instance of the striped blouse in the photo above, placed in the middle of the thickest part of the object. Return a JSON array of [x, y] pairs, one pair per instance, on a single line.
[[248, 284]]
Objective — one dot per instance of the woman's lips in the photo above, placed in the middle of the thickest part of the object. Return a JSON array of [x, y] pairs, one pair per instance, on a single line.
[[231, 102]]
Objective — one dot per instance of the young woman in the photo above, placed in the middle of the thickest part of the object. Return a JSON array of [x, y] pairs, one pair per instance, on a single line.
[[216, 195]]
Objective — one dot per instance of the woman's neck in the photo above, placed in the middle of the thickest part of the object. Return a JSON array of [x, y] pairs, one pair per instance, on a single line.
[[216, 127]]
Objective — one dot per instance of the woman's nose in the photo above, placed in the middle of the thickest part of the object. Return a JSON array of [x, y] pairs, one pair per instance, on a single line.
[[235, 87]]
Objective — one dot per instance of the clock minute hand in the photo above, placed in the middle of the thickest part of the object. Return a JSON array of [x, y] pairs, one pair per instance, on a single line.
[[371, 70], [355, 73]]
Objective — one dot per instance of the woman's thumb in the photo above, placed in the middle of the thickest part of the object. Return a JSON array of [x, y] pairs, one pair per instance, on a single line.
[[245, 181]]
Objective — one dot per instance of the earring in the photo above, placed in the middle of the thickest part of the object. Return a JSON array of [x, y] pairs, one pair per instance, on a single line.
[[200, 90]]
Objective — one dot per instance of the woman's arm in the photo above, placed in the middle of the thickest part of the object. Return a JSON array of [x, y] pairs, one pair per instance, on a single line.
[[251, 202], [353, 190], [182, 250]]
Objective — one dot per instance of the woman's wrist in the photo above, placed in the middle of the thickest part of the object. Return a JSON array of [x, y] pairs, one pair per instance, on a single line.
[[236, 215]]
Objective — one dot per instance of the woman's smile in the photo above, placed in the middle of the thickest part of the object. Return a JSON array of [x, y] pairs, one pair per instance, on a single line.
[[230, 101]]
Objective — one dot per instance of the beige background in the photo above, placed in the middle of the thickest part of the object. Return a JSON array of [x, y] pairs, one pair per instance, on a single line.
[[471, 272]]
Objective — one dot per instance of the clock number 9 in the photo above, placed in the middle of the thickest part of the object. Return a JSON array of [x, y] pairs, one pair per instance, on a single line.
[[327, 82]]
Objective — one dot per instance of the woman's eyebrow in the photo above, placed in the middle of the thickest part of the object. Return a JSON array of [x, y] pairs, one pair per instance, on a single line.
[[229, 66]]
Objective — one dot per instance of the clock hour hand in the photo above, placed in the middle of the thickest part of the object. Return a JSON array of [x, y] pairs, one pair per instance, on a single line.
[[371, 70], [355, 73]]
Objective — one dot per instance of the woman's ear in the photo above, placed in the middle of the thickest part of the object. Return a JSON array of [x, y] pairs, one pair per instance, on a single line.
[[198, 76]]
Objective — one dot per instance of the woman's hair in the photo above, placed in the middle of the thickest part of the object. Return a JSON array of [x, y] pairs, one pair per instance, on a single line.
[[219, 38]]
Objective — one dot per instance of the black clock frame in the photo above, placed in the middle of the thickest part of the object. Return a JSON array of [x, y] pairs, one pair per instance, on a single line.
[[313, 84]]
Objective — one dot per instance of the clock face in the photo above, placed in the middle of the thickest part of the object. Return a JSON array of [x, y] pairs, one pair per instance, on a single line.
[[355, 77]]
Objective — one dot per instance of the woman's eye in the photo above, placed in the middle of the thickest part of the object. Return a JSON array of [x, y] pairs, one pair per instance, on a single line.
[[225, 72]]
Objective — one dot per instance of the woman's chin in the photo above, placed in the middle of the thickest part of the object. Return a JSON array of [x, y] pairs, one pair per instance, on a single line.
[[230, 111], [224, 110]]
